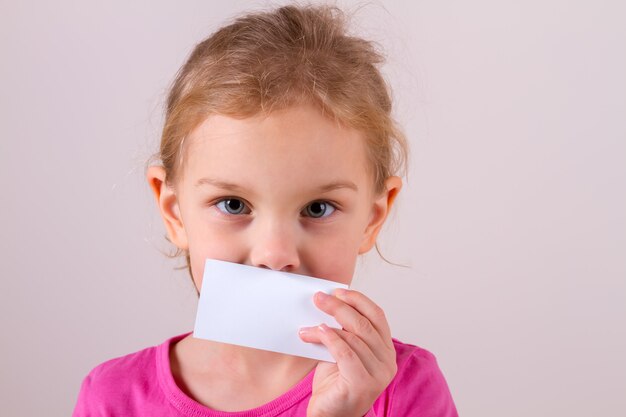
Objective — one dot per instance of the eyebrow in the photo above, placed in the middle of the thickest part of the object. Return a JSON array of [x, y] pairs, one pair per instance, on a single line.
[[235, 187]]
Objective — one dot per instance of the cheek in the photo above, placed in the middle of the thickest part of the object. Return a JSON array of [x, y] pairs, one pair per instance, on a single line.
[[334, 260], [346, 252], [212, 244], [338, 269]]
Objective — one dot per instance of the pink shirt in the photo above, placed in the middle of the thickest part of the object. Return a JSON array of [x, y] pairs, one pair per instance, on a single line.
[[141, 384]]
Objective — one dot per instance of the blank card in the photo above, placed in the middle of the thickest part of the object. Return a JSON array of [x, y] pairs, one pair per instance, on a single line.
[[261, 308]]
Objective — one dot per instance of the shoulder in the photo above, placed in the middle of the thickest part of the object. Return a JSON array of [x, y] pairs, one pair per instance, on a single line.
[[121, 384], [418, 369], [419, 387], [118, 369], [115, 376], [407, 353]]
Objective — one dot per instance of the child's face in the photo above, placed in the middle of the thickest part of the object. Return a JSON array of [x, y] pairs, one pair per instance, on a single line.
[[281, 214]]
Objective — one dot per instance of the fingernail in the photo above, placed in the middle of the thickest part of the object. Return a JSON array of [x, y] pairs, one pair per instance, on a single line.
[[322, 295], [340, 292], [323, 327], [305, 330]]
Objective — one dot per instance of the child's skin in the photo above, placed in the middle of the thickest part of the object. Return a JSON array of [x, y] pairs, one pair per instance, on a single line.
[[272, 222]]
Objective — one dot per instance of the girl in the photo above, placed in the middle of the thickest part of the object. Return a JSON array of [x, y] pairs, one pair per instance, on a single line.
[[278, 151]]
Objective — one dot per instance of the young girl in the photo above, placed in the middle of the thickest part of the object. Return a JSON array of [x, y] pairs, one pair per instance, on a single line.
[[278, 151]]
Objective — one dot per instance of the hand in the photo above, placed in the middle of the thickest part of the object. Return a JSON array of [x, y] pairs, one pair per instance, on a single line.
[[363, 349]]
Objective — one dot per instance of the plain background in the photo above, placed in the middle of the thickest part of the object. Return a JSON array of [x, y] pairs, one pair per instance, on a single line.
[[512, 220]]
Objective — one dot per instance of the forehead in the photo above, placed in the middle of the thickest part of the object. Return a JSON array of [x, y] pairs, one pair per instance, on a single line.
[[297, 145]]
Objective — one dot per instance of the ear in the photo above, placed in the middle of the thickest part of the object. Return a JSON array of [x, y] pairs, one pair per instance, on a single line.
[[168, 206], [380, 210]]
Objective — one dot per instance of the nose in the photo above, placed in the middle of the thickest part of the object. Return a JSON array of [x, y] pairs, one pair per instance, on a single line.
[[275, 247]]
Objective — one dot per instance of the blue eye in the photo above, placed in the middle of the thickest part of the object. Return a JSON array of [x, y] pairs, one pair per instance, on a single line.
[[318, 208], [233, 204]]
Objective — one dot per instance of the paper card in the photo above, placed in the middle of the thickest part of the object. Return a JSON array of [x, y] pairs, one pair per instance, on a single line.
[[261, 308]]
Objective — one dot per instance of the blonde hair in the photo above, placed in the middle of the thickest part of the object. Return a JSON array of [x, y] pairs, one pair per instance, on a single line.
[[266, 61]]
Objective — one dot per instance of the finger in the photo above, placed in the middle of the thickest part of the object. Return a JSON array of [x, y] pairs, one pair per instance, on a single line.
[[354, 322], [371, 363], [374, 313], [350, 365]]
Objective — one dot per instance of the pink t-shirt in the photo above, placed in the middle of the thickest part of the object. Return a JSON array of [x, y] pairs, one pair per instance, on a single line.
[[141, 384]]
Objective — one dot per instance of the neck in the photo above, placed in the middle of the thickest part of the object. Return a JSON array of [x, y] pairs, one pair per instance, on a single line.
[[244, 363]]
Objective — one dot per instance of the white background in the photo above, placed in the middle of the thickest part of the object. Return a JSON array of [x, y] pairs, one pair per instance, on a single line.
[[512, 219]]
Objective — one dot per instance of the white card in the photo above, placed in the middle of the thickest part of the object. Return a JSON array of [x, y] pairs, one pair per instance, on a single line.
[[261, 308]]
